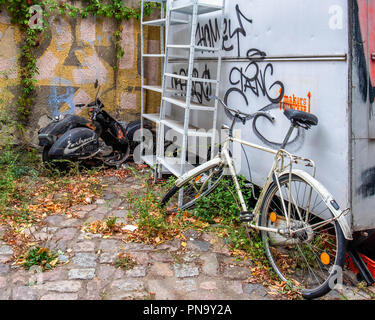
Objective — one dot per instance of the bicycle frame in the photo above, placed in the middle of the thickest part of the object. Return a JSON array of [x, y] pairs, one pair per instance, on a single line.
[[283, 164], [279, 167]]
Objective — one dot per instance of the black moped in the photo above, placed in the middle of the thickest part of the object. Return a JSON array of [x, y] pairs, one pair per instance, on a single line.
[[76, 138]]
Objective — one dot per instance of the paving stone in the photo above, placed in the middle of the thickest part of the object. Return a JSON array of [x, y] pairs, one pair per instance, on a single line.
[[185, 270], [119, 213], [71, 223], [210, 264], [172, 245], [95, 216], [161, 256], [162, 289], [81, 274], [135, 246], [191, 234], [49, 229], [105, 272], [100, 201], [85, 259], [55, 220], [254, 290], [66, 234], [4, 258], [20, 277], [88, 207], [54, 275], [208, 285], [108, 257], [29, 231], [141, 258], [80, 214], [42, 236], [60, 296], [3, 282], [5, 294], [119, 274], [84, 246], [136, 272], [4, 268], [62, 286], [198, 245], [234, 286], [6, 250], [88, 236], [114, 203], [190, 256], [24, 293], [128, 285], [161, 269], [186, 285], [93, 290], [109, 195], [109, 245], [236, 273], [63, 258]]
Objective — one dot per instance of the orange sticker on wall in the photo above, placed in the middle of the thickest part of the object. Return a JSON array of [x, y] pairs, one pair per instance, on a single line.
[[296, 103]]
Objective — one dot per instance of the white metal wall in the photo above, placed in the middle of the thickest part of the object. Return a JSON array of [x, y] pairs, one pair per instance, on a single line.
[[304, 46]]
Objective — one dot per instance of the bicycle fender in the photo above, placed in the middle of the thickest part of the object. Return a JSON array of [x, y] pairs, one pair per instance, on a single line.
[[209, 164], [328, 199]]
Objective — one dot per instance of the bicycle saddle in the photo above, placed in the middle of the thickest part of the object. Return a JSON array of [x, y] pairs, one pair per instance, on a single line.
[[301, 118]]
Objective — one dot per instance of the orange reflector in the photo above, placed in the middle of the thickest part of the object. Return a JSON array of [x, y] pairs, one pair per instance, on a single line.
[[273, 217], [198, 178], [197, 195], [324, 257]]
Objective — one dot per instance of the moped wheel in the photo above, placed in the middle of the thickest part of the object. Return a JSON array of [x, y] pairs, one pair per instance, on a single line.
[[117, 158], [311, 260], [194, 188], [45, 157]]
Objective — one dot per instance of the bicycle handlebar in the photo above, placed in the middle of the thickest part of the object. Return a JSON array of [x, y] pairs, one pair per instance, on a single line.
[[242, 115]]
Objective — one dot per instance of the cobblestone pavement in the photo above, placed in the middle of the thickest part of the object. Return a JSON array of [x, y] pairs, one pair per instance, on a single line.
[[203, 270]]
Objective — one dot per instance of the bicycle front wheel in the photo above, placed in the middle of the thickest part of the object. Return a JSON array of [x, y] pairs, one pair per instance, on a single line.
[[195, 187], [310, 258]]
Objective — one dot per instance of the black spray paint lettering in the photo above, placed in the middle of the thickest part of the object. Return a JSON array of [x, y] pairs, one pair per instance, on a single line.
[[244, 80], [200, 90], [209, 34], [367, 188], [254, 79]]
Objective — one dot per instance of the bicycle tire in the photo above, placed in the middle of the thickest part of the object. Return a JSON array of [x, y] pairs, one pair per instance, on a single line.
[[193, 180], [308, 244]]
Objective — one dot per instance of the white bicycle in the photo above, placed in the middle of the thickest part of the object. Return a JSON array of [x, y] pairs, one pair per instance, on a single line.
[[303, 229]]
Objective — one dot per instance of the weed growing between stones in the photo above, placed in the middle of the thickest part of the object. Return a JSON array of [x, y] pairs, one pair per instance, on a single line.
[[39, 256], [125, 261]]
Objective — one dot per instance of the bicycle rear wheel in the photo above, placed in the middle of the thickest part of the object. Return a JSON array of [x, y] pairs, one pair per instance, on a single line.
[[310, 259], [194, 188]]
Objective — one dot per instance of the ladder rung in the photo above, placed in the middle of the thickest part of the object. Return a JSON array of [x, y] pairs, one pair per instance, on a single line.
[[178, 126], [204, 6], [154, 117], [193, 105], [161, 22], [157, 22], [186, 46], [177, 76], [174, 165], [160, 89], [154, 55]]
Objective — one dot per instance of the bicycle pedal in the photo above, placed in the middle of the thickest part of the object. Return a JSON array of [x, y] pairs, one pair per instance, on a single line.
[[246, 216]]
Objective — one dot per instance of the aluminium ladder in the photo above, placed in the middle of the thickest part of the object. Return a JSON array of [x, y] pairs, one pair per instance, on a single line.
[[192, 9], [153, 117]]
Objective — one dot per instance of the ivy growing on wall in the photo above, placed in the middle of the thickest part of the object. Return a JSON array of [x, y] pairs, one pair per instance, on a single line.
[[22, 12]]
